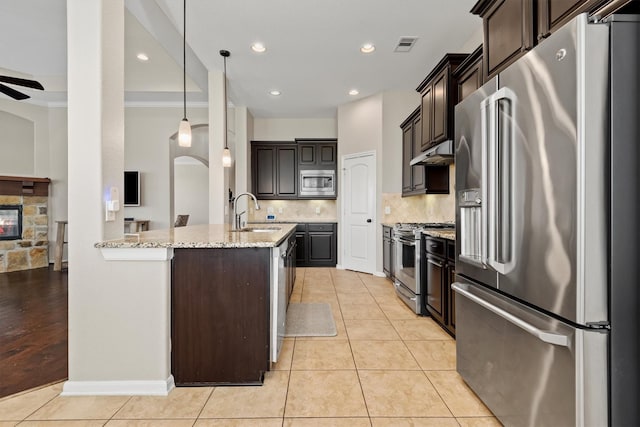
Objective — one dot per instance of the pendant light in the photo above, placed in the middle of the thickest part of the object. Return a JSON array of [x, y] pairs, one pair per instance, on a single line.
[[226, 153], [184, 131]]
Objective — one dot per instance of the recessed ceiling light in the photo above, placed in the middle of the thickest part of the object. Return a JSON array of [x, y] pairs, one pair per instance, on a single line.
[[367, 48], [353, 92], [142, 57], [275, 92], [258, 47]]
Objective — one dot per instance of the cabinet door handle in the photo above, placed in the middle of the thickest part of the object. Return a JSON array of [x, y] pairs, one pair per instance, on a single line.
[[435, 263], [368, 219]]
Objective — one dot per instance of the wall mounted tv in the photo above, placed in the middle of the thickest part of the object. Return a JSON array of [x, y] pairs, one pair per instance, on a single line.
[[131, 188]]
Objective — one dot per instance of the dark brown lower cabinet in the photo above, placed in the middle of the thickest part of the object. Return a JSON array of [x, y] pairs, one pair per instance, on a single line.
[[290, 264], [436, 293], [439, 264], [387, 251], [316, 244], [220, 316]]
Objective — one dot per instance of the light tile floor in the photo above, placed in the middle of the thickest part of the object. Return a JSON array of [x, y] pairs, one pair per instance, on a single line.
[[386, 367]]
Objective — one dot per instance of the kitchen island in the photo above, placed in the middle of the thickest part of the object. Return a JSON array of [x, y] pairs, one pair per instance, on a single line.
[[227, 297]]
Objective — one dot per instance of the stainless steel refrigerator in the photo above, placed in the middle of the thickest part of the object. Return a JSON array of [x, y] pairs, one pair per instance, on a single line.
[[547, 190]]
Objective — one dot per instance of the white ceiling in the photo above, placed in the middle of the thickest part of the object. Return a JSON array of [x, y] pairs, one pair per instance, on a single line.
[[312, 54]]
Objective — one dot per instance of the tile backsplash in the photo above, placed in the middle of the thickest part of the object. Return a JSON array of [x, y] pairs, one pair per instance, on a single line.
[[424, 208], [295, 210]]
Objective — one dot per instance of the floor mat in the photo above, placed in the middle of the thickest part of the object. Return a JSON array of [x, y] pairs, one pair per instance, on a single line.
[[310, 320]]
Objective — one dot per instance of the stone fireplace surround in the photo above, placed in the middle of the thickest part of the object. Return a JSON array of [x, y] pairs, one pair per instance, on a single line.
[[31, 251]]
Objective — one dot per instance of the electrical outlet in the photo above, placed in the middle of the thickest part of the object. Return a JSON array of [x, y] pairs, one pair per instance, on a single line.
[[108, 214], [280, 210], [318, 210], [270, 210], [387, 210]]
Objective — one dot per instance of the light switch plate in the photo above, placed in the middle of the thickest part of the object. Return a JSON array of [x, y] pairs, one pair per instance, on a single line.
[[387, 210]]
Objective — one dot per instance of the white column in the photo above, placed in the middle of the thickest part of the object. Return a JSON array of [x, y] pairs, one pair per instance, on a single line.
[[218, 182], [119, 324], [242, 150]]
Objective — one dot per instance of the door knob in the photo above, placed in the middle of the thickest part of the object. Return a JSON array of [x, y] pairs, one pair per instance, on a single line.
[[369, 220]]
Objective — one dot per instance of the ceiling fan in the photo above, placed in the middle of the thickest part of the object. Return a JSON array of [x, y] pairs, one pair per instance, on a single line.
[[20, 82]]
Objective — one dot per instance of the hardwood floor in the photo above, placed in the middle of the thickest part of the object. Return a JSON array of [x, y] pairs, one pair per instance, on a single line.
[[33, 329]]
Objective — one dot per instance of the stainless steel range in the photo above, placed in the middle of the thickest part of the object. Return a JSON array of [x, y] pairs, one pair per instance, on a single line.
[[408, 264]]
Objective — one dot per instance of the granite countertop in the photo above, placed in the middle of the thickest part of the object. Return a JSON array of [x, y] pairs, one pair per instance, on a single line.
[[449, 234], [203, 236], [297, 221]]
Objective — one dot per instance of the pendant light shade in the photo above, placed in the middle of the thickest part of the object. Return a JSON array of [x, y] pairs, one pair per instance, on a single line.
[[184, 131], [226, 157], [226, 153]]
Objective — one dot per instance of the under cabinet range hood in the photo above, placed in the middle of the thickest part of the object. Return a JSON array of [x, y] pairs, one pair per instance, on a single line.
[[441, 154]]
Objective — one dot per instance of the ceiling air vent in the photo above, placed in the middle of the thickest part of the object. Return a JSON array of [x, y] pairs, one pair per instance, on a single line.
[[405, 44]]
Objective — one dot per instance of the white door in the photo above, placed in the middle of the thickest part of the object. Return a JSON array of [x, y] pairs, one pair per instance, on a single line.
[[358, 212]]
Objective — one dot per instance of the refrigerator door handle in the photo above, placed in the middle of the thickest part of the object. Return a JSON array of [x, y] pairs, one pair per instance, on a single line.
[[500, 233], [486, 114], [545, 336]]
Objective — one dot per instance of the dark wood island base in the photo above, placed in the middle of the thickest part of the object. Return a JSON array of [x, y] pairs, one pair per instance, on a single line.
[[220, 316]]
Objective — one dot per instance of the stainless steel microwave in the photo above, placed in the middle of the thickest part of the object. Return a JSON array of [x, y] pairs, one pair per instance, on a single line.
[[317, 183]]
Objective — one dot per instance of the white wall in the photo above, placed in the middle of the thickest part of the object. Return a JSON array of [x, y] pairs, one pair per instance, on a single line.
[[289, 129], [147, 133], [16, 144], [49, 154], [360, 130], [373, 124], [191, 183], [474, 41], [39, 166], [58, 173]]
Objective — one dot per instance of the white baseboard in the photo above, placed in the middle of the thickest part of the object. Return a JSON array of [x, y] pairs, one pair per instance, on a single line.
[[339, 267], [118, 388], [379, 274]]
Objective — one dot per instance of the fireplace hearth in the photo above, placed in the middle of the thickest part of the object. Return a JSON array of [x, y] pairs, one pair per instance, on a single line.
[[10, 222]]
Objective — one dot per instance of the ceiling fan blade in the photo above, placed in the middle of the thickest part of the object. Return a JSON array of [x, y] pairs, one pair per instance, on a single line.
[[21, 82], [13, 93]]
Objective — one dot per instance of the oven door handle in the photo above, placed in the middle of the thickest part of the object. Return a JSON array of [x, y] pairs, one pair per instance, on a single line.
[[403, 241]]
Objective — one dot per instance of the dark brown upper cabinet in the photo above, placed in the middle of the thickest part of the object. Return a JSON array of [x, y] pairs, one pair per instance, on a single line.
[[419, 179], [469, 74], [553, 14], [274, 170], [317, 153], [427, 112], [512, 27], [439, 95], [508, 31]]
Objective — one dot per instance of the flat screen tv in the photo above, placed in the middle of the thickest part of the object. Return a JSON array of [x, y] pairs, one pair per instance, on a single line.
[[131, 188]]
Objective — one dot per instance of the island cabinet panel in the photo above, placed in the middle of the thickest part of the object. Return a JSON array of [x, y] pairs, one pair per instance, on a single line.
[[220, 316]]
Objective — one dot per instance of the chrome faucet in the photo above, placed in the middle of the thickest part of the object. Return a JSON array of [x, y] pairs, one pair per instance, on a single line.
[[236, 215]]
